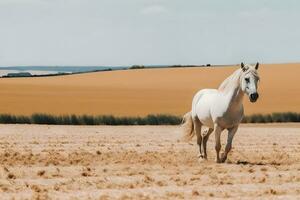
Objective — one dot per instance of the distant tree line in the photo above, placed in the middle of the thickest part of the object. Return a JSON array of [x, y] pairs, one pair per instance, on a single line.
[[167, 66], [28, 74], [158, 119], [137, 67]]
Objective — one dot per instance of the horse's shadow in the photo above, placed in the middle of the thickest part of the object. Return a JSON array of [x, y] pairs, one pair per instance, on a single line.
[[245, 162]]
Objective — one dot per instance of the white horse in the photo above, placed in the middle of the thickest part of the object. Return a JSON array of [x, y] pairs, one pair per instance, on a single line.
[[220, 109]]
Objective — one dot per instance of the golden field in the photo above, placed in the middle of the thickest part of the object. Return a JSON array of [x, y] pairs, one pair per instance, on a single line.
[[142, 92]]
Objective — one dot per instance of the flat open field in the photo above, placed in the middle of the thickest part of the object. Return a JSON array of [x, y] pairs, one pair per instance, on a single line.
[[142, 92], [145, 162]]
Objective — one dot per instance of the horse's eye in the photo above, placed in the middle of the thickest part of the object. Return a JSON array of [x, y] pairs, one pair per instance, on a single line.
[[247, 80]]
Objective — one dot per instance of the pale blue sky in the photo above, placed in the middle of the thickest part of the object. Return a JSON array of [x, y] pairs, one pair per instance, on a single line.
[[127, 32]]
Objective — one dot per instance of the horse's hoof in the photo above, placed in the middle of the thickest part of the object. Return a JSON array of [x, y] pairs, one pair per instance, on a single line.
[[200, 156], [223, 158], [201, 160]]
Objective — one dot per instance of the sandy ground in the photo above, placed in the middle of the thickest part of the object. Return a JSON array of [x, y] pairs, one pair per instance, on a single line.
[[145, 162], [142, 92]]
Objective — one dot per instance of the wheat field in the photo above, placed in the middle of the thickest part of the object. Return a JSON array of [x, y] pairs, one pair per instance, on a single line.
[[142, 92]]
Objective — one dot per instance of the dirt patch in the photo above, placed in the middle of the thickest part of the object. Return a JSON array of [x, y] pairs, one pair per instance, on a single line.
[[145, 162]]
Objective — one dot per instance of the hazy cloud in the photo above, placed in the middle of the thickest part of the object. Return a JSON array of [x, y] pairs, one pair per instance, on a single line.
[[154, 9]]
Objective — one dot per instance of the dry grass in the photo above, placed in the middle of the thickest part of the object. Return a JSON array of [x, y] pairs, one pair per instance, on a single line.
[[141, 92], [142, 162]]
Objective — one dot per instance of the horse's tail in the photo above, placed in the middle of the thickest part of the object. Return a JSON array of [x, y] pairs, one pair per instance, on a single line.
[[188, 127]]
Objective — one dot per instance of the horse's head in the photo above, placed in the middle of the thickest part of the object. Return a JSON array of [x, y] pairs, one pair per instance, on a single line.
[[249, 81]]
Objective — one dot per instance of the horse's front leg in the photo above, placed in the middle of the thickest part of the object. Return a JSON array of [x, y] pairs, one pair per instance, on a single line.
[[218, 131], [231, 133]]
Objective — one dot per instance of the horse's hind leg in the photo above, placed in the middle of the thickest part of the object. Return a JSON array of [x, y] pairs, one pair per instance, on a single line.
[[197, 129], [204, 141]]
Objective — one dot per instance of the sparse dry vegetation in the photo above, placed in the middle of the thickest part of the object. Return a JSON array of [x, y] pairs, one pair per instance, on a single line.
[[89, 120], [148, 120]]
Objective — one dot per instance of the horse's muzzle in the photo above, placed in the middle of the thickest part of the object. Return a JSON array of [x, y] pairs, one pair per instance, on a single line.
[[253, 97]]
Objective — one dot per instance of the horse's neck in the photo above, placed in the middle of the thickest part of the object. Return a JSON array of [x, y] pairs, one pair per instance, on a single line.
[[236, 96], [231, 88]]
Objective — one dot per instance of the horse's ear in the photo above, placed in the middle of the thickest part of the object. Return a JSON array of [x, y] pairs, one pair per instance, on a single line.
[[243, 67], [256, 66]]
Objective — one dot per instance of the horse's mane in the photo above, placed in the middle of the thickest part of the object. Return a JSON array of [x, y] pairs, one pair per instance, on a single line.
[[233, 80], [229, 82]]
